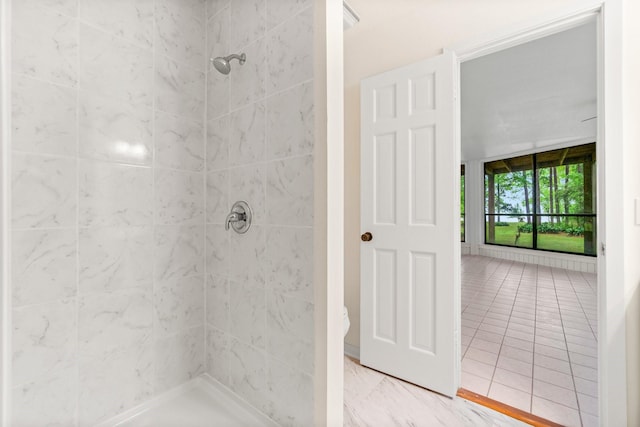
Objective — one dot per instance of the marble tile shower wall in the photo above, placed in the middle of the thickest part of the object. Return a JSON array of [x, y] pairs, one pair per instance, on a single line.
[[108, 204], [260, 124]]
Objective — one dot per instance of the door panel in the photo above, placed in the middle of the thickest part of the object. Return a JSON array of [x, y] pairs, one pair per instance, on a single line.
[[410, 204]]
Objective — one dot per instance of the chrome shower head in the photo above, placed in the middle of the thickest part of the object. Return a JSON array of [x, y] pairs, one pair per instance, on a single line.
[[223, 65]]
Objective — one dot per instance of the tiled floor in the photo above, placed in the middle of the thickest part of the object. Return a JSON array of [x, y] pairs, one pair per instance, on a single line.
[[529, 338], [377, 400]]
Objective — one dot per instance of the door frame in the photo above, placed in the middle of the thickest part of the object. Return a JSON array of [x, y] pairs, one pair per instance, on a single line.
[[611, 298], [5, 199]]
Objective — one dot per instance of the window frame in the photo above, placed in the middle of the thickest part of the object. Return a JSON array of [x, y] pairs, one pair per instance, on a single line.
[[534, 214]]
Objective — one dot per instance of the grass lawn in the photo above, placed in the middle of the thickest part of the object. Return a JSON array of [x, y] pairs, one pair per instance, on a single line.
[[555, 242]]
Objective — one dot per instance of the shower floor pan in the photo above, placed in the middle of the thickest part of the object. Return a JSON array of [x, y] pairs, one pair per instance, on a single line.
[[202, 402]]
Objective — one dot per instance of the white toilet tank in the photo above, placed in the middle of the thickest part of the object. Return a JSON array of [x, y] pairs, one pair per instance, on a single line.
[[346, 322]]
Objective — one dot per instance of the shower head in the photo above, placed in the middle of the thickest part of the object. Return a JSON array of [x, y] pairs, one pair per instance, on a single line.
[[223, 65]]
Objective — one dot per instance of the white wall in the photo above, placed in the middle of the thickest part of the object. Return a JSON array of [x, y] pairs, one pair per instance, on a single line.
[[378, 44]]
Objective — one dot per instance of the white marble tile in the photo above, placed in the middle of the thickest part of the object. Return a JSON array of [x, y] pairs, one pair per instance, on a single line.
[[179, 305], [132, 20], [248, 22], [43, 117], [589, 404], [289, 261], [179, 251], [180, 89], [280, 10], [113, 194], [179, 143], [218, 206], [248, 81], [115, 130], [290, 395], [43, 265], [44, 45], [179, 197], [113, 258], [553, 377], [215, 6], [115, 382], [247, 256], [43, 191], [248, 183], [217, 297], [43, 340], [65, 7], [179, 358], [290, 331], [218, 132], [50, 401], [218, 29], [290, 191], [180, 30], [114, 68], [218, 94], [247, 367], [247, 308], [247, 137], [290, 122], [217, 250], [112, 321], [290, 53], [217, 355]]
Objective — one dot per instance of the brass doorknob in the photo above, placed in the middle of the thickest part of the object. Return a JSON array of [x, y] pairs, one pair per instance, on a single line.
[[366, 237]]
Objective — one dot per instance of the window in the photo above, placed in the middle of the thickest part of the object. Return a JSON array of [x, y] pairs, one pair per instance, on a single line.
[[462, 203], [543, 201]]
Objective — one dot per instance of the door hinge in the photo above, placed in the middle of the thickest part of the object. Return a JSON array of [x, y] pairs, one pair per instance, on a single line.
[[602, 248]]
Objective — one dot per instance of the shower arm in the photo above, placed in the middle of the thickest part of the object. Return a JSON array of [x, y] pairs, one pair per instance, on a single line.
[[241, 58]]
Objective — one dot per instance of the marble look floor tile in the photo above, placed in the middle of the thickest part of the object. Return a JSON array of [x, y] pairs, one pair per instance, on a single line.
[[392, 402], [477, 368]]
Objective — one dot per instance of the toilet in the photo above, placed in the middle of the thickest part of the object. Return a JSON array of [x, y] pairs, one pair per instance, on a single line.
[[346, 322]]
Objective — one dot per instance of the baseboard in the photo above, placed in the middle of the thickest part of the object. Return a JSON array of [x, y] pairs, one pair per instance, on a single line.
[[352, 351], [586, 264]]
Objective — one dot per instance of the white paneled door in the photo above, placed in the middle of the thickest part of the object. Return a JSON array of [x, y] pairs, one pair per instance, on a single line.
[[409, 208]]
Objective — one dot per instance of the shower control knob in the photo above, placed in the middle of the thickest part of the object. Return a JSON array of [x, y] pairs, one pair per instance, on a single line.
[[366, 237]]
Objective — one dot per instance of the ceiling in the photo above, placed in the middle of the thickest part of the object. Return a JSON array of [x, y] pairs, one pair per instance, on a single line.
[[532, 96]]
